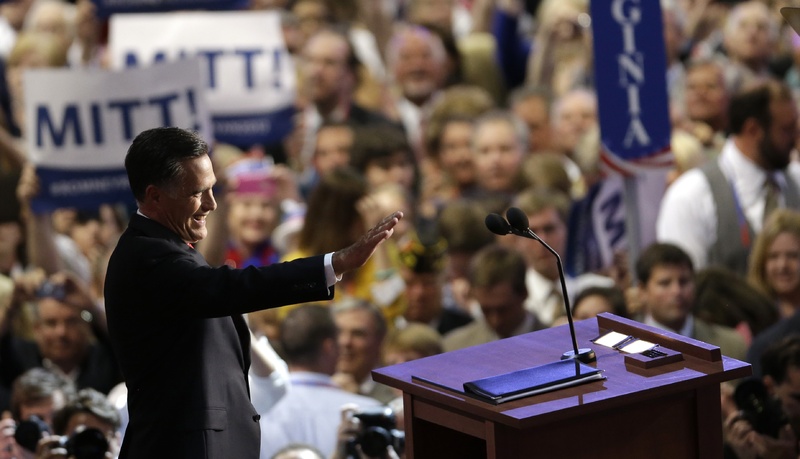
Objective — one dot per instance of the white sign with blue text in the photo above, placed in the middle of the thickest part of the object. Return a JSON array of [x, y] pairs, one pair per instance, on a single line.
[[248, 71], [78, 137]]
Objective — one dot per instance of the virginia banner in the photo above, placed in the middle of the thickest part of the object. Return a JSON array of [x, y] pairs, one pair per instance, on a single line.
[[630, 79]]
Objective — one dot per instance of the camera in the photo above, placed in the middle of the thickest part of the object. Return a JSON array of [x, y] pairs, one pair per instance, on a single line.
[[30, 431], [762, 411], [51, 290], [88, 443], [379, 431]]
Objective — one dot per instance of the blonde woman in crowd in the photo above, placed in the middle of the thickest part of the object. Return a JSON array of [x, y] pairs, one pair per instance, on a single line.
[[775, 261]]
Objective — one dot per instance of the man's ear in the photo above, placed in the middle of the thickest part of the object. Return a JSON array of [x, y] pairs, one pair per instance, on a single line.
[[753, 129], [152, 194]]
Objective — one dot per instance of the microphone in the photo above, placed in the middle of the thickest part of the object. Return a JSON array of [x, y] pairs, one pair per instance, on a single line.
[[518, 224], [497, 224]]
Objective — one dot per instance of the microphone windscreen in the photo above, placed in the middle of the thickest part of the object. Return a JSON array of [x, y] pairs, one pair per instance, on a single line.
[[497, 224], [517, 218]]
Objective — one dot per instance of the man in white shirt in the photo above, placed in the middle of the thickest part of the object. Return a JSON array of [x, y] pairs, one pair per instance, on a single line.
[[417, 63], [716, 224], [309, 413]]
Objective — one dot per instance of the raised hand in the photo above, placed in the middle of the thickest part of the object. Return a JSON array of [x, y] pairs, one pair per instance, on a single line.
[[356, 255]]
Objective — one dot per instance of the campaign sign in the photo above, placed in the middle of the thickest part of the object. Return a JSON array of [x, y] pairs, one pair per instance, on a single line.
[[105, 8], [248, 71], [630, 79], [78, 138], [619, 213]]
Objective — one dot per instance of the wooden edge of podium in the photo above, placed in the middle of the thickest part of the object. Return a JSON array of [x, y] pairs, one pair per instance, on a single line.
[[698, 349]]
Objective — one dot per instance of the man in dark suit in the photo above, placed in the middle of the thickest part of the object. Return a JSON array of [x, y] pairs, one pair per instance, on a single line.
[[175, 322]]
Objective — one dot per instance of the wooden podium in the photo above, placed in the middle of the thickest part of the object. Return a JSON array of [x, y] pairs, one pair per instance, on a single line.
[[656, 411]]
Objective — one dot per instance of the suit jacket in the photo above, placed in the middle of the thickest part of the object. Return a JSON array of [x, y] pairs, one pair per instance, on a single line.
[[479, 332], [183, 345], [730, 343]]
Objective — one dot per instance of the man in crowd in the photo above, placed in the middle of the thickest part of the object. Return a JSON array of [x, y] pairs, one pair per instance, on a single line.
[[497, 283], [666, 280], [362, 330], [309, 412], [715, 212]]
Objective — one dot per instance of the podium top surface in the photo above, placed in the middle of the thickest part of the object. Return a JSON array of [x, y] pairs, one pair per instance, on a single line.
[[624, 383]]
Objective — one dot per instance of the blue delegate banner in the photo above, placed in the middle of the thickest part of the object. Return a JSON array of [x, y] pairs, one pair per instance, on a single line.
[[105, 8], [630, 79]]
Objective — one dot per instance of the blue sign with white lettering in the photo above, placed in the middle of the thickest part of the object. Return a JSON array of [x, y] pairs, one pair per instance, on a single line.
[[630, 78]]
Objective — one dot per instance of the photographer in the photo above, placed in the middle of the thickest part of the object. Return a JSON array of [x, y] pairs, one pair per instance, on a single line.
[[35, 396], [368, 434], [86, 428], [768, 421]]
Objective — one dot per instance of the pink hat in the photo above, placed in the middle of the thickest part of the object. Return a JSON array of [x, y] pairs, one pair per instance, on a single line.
[[251, 176]]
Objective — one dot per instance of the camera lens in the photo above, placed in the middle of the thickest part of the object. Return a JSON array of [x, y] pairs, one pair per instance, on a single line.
[[374, 441], [30, 431], [88, 444]]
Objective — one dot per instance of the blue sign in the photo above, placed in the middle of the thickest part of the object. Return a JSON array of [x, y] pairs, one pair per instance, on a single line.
[[630, 79], [80, 189], [106, 8]]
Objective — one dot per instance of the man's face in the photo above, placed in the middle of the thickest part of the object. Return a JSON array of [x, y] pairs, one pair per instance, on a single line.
[[533, 111], [498, 156], [750, 40], [334, 145], [503, 309], [359, 343], [668, 294], [423, 296], [455, 154], [779, 137], [325, 68], [577, 114], [782, 265], [61, 334], [417, 70], [184, 206], [43, 408], [706, 97], [547, 224]]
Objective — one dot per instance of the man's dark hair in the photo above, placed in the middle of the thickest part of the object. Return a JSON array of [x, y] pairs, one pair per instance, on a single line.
[[35, 385], [754, 102], [780, 356], [614, 295], [658, 254], [304, 330], [495, 264], [378, 141], [156, 157], [86, 401]]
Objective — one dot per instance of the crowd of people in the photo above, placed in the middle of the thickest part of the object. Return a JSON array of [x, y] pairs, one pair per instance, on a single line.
[[446, 110]]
